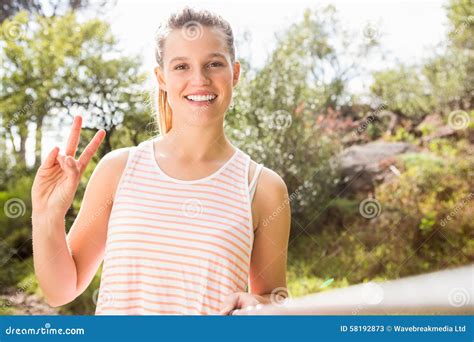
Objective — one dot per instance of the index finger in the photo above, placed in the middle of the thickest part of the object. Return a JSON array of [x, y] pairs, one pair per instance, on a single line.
[[74, 136], [91, 149]]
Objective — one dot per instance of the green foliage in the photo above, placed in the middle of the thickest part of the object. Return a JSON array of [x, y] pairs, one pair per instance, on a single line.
[[443, 82], [275, 108], [58, 66], [403, 90]]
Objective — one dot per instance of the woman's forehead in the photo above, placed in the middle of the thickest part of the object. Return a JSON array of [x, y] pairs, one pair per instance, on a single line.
[[208, 41]]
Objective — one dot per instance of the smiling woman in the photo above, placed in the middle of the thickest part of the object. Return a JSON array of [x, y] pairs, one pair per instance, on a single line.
[[180, 220]]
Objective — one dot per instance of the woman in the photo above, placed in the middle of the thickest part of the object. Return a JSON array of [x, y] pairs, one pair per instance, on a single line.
[[178, 219]]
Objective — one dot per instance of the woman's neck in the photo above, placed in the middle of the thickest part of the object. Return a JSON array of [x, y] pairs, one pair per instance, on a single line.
[[196, 144]]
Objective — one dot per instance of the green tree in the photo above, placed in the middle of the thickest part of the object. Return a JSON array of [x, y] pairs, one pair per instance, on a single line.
[[53, 67], [275, 107]]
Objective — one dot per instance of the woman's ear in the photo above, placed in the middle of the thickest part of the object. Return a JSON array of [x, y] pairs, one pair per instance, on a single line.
[[236, 75], [160, 78]]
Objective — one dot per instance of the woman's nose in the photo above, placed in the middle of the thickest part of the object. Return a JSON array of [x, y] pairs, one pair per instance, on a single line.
[[200, 77]]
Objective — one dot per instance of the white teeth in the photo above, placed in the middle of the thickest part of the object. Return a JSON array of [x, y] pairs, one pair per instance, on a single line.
[[200, 98]]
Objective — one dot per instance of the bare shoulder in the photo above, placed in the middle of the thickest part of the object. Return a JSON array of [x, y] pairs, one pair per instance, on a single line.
[[270, 193], [111, 166], [269, 180], [116, 157], [272, 184]]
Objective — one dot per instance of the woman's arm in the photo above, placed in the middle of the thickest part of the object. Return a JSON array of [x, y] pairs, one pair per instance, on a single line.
[[64, 265], [270, 247]]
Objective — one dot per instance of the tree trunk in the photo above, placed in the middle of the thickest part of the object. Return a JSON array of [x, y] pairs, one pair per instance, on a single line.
[[38, 140]]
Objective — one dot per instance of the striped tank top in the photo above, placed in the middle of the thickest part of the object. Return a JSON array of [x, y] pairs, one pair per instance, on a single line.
[[177, 247]]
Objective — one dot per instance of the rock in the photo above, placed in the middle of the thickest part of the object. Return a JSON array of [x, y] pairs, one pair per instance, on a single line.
[[432, 120], [20, 303], [363, 166], [436, 127]]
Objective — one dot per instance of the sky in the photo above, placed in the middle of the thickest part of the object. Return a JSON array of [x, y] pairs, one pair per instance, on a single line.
[[408, 30]]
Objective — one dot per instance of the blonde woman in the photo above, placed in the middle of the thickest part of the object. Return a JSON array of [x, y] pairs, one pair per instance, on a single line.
[[177, 220]]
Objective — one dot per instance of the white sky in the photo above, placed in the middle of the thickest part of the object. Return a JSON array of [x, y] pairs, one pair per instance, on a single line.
[[409, 29]]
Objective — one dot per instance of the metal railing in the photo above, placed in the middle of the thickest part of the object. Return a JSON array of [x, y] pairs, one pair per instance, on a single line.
[[444, 292]]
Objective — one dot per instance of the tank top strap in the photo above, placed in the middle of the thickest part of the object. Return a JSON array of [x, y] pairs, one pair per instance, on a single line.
[[234, 170]]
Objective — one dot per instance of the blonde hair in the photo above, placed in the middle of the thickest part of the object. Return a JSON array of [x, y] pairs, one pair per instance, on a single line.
[[191, 20]]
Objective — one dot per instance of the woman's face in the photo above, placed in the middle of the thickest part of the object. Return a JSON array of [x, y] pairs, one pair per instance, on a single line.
[[198, 75]]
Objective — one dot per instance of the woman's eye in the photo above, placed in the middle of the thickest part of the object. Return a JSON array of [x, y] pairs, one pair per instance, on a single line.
[[215, 64], [180, 67]]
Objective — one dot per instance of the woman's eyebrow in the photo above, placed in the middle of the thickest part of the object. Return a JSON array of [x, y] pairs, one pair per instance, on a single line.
[[212, 54]]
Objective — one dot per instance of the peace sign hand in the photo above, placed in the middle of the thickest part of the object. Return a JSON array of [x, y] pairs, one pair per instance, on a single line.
[[59, 175]]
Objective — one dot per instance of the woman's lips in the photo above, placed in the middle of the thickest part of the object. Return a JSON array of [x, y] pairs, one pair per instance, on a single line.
[[200, 103]]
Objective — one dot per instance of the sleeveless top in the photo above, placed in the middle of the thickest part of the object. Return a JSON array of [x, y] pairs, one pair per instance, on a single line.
[[177, 247]]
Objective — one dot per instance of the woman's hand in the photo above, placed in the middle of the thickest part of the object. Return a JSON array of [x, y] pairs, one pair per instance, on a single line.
[[240, 300], [57, 179]]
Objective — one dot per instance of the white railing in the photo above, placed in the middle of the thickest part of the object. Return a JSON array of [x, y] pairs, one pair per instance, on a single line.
[[444, 292]]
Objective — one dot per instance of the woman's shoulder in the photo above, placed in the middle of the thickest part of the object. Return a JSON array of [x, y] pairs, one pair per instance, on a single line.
[[111, 167], [268, 179], [117, 157], [270, 192]]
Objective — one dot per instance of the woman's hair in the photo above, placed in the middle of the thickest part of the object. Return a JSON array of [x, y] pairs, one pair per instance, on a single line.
[[190, 21]]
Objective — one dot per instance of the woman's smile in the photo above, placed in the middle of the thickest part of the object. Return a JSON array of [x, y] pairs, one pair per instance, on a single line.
[[200, 99]]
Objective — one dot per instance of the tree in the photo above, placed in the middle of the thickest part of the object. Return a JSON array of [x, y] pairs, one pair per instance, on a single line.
[[56, 66], [441, 83], [50, 7], [274, 116]]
